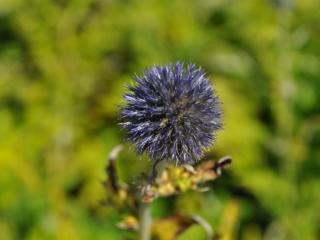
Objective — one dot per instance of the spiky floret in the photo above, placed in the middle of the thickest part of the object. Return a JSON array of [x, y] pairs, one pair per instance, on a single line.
[[172, 113]]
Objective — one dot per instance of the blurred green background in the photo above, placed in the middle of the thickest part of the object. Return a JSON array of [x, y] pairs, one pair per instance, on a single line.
[[63, 66]]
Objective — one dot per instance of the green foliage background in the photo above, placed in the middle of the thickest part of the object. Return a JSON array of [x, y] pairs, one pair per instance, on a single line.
[[63, 66]]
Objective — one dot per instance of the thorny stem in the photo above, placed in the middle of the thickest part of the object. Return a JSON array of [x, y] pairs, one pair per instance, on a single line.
[[145, 218]]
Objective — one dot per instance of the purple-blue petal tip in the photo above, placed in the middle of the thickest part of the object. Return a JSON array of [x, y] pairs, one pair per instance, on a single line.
[[172, 113]]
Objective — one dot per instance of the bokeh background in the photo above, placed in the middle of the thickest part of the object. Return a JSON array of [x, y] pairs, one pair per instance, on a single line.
[[63, 67]]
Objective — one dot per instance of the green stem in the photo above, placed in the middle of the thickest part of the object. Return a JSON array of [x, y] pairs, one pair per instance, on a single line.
[[145, 221]]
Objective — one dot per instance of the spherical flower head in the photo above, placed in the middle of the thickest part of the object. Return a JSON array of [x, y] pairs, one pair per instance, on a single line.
[[172, 112]]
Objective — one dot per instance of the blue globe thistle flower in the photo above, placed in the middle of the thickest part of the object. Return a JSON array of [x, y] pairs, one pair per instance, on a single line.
[[172, 113]]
